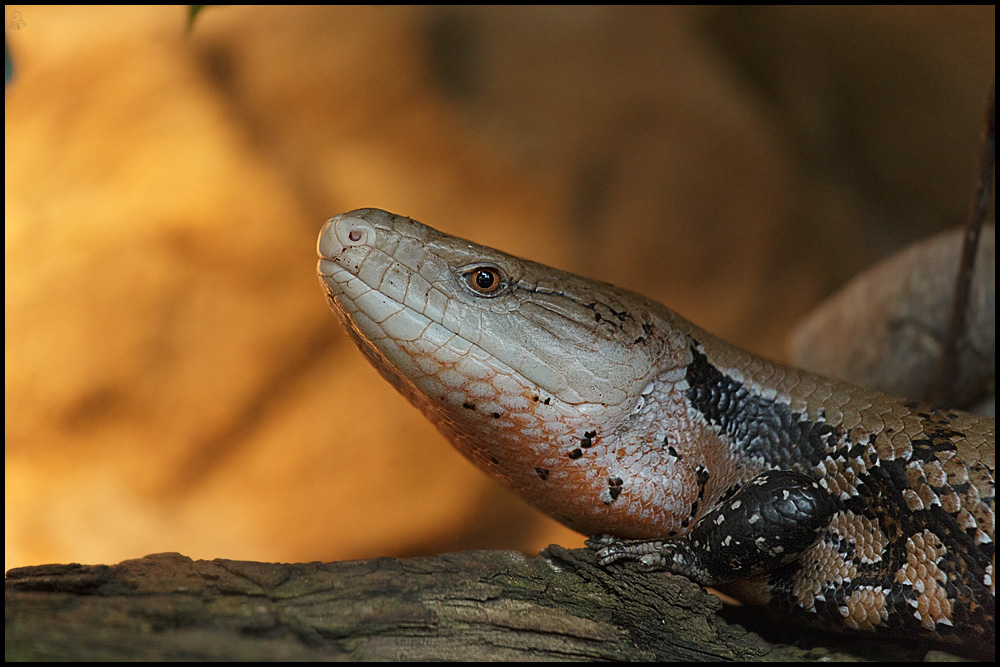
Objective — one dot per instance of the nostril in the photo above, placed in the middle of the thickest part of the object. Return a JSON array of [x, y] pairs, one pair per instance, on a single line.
[[343, 232], [353, 231]]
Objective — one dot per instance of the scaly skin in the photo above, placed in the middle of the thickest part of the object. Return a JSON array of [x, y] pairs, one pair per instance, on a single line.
[[609, 412]]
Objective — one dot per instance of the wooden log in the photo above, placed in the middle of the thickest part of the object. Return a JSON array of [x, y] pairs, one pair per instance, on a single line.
[[474, 605]]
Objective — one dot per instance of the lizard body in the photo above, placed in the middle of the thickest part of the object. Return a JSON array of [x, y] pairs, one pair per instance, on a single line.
[[624, 421]]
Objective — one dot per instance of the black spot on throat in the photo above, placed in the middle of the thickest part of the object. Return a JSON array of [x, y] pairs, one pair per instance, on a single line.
[[615, 487]]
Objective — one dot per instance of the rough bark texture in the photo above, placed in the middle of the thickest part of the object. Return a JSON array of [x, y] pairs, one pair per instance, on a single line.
[[476, 605]]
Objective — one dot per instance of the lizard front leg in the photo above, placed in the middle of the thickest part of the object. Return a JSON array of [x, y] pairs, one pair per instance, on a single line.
[[769, 522]]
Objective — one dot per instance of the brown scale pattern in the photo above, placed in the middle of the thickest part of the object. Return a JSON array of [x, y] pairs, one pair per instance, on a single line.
[[921, 570], [866, 537], [944, 461], [865, 609], [824, 566]]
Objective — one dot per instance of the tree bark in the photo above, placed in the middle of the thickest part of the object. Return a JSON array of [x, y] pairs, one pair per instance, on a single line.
[[475, 605]]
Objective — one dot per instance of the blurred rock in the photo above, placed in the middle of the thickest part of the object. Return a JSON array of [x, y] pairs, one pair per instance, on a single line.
[[885, 328]]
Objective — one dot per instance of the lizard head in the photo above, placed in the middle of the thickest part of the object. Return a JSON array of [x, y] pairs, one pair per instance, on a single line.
[[420, 303], [522, 366]]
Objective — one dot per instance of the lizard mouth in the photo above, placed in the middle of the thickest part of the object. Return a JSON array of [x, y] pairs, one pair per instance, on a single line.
[[390, 301], [408, 291]]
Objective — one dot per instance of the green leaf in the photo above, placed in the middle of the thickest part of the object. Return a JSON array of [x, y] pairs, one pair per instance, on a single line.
[[193, 11]]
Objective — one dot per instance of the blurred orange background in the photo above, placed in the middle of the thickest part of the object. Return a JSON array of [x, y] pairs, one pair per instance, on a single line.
[[173, 379]]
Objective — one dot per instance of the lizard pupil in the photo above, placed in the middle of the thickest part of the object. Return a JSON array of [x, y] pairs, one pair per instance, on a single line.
[[485, 280]]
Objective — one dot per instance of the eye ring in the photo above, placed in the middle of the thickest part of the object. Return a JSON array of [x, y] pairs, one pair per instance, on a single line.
[[484, 280]]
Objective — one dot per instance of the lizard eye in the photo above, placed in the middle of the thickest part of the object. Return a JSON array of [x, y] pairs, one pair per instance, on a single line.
[[484, 280]]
